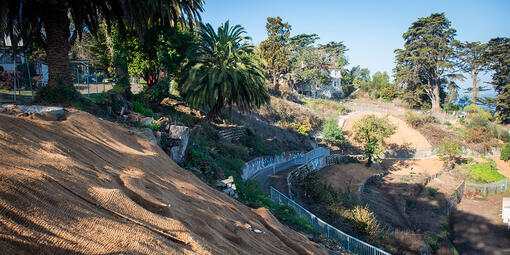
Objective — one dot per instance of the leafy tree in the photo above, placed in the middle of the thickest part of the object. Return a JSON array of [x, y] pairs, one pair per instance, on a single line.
[[498, 56], [274, 50], [335, 53], [426, 57], [312, 69], [49, 22], [164, 49], [302, 41], [371, 131], [472, 61], [449, 151], [224, 73], [331, 132]]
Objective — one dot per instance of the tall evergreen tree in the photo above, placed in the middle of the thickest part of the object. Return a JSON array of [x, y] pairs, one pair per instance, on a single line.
[[274, 50], [426, 57], [498, 56], [472, 61]]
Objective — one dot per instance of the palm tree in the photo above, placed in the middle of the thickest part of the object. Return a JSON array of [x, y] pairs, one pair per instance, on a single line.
[[56, 23], [224, 73]]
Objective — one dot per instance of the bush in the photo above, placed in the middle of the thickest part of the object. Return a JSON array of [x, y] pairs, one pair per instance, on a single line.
[[303, 127], [138, 107], [474, 110], [364, 221], [57, 95], [159, 91], [485, 173], [154, 126], [331, 132], [449, 150], [505, 152], [416, 120]]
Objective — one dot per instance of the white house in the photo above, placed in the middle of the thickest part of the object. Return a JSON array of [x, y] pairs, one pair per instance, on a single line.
[[326, 91]]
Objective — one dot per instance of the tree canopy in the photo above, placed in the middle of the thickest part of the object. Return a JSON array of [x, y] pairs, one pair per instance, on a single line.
[[274, 50], [56, 24], [426, 59], [371, 131], [498, 56], [471, 59]]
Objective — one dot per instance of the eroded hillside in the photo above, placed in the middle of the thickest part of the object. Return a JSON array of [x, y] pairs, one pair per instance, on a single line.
[[89, 186]]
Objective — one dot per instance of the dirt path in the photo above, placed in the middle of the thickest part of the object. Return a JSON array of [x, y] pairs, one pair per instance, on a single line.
[[279, 181], [478, 227]]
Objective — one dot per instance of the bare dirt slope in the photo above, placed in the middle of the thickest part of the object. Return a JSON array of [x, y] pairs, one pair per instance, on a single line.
[[349, 175], [87, 186]]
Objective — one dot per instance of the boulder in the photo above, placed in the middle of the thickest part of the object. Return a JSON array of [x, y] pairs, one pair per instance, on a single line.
[[178, 137], [146, 121]]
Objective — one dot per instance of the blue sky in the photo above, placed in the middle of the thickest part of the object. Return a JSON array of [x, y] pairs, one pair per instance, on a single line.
[[371, 30]]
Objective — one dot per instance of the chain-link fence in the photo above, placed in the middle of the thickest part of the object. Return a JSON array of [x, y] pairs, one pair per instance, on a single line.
[[489, 188], [351, 244]]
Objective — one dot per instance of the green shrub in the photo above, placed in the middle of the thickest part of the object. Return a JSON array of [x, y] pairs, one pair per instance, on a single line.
[[505, 136], [484, 173], [302, 127], [57, 95], [154, 126], [449, 150], [447, 123], [474, 110], [505, 152], [331, 132], [416, 120], [138, 107], [432, 191]]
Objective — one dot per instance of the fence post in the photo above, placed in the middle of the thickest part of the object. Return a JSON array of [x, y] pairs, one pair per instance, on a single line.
[[327, 227], [348, 244]]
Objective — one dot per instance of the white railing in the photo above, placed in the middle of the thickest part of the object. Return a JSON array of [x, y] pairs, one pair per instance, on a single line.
[[261, 168], [351, 244]]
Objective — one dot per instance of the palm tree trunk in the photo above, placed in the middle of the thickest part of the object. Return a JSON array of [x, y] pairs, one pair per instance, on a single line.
[[215, 111], [56, 24]]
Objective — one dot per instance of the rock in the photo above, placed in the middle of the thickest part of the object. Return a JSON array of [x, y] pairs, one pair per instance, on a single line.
[[146, 121], [149, 134], [164, 122], [178, 136], [134, 118], [157, 134], [256, 230], [230, 179], [229, 191], [233, 186]]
